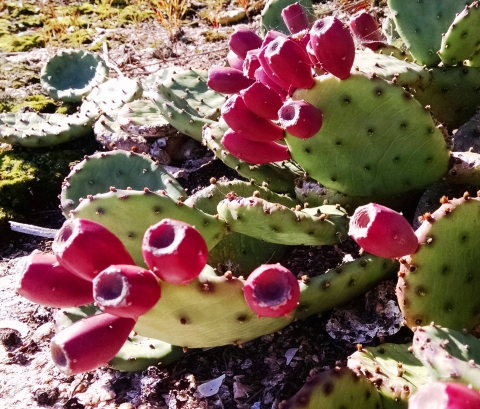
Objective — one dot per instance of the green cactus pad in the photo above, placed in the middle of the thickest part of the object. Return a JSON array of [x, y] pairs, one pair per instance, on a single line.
[[272, 14], [279, 224], [137, 354], [453, 94], [191, 86], [421, 24], [100, 172], [142, 117], [237, 252], [343, 283], [111, 95], [440, 282], [277, 177], [388, 67], [72, 74], [394, 369], [336, 388], [474, 60], [129, 213], [210, 311], [34, 130], [376, 139], [448, 355], [462, 39], [392, 51]]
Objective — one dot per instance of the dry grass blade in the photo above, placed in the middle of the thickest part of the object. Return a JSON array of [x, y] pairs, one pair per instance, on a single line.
[[169, 14]]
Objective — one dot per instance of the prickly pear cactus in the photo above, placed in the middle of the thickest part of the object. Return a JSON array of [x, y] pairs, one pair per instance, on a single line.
[[422, 23], [394, 369], [210, 311], [376, 139], [336, 388], [142, 117], [72, 74], [137, 354], [34, 130], [440, 282], [100, 172], [461, 40], [448, 355], [272, 14], [138, 210]]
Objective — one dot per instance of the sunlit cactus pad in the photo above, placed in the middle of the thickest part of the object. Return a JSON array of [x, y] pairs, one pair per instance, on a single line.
[[72, 74]]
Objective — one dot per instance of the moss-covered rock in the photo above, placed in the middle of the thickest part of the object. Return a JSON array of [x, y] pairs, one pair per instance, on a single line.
[[39, 103]]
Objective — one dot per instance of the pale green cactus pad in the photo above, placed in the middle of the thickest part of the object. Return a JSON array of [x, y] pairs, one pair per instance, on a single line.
[[70, 75]]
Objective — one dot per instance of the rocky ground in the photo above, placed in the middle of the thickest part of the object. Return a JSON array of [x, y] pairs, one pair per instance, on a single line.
[[258, 374]]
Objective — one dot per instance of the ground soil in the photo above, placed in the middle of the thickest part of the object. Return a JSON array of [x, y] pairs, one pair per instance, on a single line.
[[258, 374]]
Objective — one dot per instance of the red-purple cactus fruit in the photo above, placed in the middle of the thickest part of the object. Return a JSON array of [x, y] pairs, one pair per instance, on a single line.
[[45, 282], [227, 80], [333, 46], [265, 64], [175, 251], [251, 63], [270, 36], [238, 117], [243, 40], [295, 18], [300, 118], [262, 100], [262, 77], [365, 27], [126, 291], [85, 248], [444, 395], [90, 343], [290, 62], [382, 231], [235, 61], [271, 290], [253, 152]]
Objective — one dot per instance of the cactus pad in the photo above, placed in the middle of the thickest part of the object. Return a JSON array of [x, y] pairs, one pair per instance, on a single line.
[[394, 369], [462, 39], [440, 282], [119, 169], [70, 75], [448, 355], [129, 213], [376, 139], [34, 130], [336, 388], [272, 14], [210, 311], [142, 117], [279, 224], [421, 24]]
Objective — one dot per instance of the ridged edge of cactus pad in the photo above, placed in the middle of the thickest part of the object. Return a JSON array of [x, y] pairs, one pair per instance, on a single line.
[[70, 75]]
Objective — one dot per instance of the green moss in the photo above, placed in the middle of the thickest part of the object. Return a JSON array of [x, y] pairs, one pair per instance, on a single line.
[[18, 43], [28, 21], [18, 9], [78, 37], [134, 15], [39, 103], [212, 36], [5, 27]]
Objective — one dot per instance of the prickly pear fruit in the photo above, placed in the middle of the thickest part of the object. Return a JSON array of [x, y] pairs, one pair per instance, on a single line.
[[382, 231], [227, 80], [290, 62], [45, 282], [175, 251], [262, 77], [265, 64], [271, 290], [300, 118], [90, 343], [85, 248], [234, 60], [445, 395], [365, 27], [243, 40], [238, 117], [252, 151], [262, 100], [295, 18], [333, 46], [126, 291], [251, 63]]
